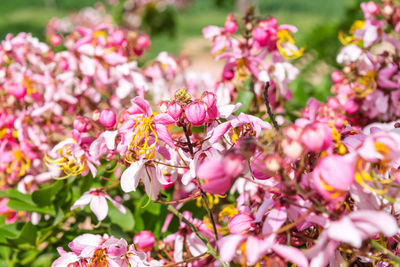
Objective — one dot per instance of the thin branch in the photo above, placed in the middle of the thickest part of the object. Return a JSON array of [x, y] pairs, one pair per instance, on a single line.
[[267, 104]]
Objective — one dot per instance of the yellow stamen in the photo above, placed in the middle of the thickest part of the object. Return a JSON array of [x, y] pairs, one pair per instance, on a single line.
[[140, 141], [285, 38]]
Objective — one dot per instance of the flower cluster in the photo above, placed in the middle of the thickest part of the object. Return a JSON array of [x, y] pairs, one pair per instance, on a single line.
[[160, 143]]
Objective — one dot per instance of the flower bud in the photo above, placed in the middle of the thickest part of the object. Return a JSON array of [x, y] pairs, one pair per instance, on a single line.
[[196, 113], [240, 223], [144, 241], [108, 118], [231, 24], [317, 137], [143, 42], [80, 124], [64, 65], [228, 75], [337, 76], [260, 35], [209, 98], [116, 38], [18, 91], [175, 110], [56, 40], [292, 148]]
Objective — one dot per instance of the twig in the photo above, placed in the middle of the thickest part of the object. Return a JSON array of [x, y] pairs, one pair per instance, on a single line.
[[188, 141], [270, 114]]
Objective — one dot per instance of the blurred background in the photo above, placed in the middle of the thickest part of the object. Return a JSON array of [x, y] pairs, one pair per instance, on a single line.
[[177, 28]]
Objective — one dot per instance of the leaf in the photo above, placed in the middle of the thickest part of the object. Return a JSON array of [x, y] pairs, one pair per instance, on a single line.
[[28, 234], [19, 205], [116, 231], [125, 221], [46, 195], [245, 98], [8, 231]]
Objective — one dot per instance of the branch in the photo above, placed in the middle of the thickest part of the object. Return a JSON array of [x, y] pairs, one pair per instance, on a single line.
[[269, 111]]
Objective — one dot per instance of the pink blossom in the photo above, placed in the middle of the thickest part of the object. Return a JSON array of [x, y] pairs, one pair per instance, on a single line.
[[98, 204]]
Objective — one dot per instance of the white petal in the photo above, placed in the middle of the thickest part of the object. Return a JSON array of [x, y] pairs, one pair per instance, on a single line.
[[131, 176], [99, 207]]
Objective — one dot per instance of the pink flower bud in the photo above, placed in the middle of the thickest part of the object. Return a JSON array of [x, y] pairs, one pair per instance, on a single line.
[[209, 98], [116, 38], [333, 173], [196, 113], [175, 110], [228, 75], [144, 241], [240, 223], [371, 8], [143, 42], [350, 106], [56, 40], [18, 91], [337, 76], [108, 118], [260, 35], [64, 65], [292, 148], [80, 124], [317, 137], [272, 22], [231, 24]]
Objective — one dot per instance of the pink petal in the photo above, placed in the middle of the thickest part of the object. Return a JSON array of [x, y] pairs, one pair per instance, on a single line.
[[292, 254], [228, 246], [99, 207], [164, 119]]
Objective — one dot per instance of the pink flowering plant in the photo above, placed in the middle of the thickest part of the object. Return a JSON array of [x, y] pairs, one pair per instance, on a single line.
[[105, 161]]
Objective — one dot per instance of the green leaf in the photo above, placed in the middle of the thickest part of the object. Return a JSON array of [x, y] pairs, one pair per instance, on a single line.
[[47, 194], [8, 231], [125, 221], [19, 205], [28, 235], [245, 98]]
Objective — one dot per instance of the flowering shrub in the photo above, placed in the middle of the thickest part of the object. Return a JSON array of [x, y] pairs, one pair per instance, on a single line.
[[107, 163]]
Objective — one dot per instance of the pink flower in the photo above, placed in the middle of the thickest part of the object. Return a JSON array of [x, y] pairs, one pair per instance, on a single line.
[[317, 137], [218, 174], [328, 180], [98, 204], [240, 223], [151, 175], [254, 123]]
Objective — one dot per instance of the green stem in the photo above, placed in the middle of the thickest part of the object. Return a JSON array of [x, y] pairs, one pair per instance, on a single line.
[[211, 250], [207, 206], [375, 244]]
